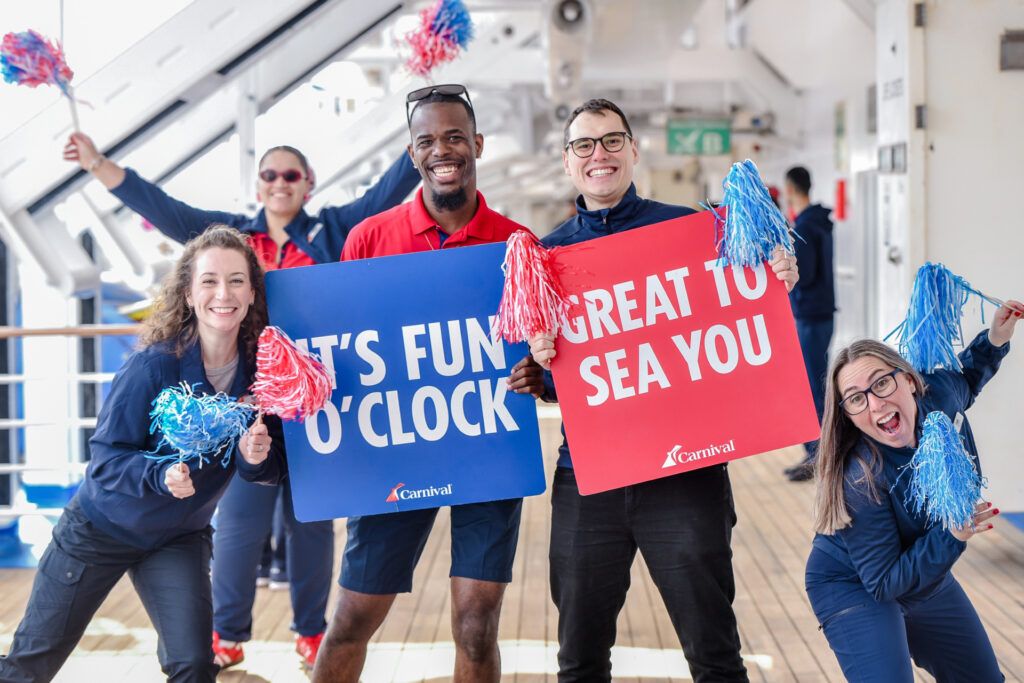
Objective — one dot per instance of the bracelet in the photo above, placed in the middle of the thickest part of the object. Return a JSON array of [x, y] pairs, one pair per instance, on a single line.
[[96, 163]]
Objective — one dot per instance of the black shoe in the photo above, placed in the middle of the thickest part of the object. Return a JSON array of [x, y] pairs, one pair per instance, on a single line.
[[802, 472]]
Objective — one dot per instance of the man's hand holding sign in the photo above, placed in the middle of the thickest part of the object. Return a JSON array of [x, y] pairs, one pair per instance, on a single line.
[[671, 359]]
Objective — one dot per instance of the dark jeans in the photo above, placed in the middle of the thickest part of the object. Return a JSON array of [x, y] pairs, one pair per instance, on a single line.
[[77, 572], [815, 337], [683, 527], [244, 518]]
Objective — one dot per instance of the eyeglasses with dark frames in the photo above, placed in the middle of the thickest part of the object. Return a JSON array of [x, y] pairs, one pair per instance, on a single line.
[[584, 148], [857, 402], [423, 93]]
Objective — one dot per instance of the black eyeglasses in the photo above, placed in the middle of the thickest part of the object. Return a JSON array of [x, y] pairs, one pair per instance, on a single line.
[[423, 93], [857, 403], [612, 142], [269, 175]]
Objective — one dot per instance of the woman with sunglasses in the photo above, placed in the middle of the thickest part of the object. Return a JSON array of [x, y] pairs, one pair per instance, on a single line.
[[878, 576], [283, 235]]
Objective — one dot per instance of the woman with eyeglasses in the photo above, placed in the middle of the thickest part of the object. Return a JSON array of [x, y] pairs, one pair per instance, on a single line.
[[283, 235], [878, 576]]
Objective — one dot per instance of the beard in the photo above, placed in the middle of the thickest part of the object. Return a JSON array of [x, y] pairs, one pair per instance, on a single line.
[[449, 201]]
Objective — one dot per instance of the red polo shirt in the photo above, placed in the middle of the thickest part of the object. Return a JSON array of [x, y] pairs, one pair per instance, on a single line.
[[290, 255], [408, 228]]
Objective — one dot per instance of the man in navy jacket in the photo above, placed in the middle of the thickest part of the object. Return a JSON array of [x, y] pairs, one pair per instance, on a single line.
[[681, 524], [813, 299]]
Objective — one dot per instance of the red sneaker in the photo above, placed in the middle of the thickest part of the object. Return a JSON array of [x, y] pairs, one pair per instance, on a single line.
[[224, 656], [307, 647]]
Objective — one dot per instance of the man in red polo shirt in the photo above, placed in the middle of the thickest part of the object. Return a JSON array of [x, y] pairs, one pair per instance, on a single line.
[[382, 550]]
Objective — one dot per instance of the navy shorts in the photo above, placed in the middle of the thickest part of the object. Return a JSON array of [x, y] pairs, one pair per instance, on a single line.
[[382, 550]]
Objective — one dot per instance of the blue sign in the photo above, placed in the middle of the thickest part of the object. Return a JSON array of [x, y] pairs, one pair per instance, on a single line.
[[420, 416]]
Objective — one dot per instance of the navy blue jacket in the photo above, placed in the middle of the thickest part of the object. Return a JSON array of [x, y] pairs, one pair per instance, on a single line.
[[894, 553], [321, 237], [631, 212], [814, 296], [123, 493]]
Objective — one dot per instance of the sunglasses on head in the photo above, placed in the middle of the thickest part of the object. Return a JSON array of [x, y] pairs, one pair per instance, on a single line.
[[423, 93], [269, 175]]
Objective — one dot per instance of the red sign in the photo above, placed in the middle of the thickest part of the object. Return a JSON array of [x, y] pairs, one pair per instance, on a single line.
[[671, 361]]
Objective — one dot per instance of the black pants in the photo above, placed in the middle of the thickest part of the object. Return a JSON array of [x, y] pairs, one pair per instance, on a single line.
[[77, 572], [683, 526]]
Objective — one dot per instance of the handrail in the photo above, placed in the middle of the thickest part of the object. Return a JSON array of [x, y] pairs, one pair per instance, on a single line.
[[6, 331]]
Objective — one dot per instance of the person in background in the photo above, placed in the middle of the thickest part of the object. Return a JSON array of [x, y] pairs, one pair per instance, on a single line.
[[878, 575], [813, 299], [150, 519], [283, 235]]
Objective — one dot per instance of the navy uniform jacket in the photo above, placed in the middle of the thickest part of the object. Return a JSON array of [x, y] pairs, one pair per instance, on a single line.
[[814, 296], [320, 237], [631, 212], [123, 493], [894, 553]]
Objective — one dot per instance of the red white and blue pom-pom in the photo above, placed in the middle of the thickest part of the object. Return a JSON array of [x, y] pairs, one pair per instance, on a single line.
[[198, 427], [945, 484], [933, 323], [753, 226], [27, 58], [291, 382], [445, 30], [533, 300]]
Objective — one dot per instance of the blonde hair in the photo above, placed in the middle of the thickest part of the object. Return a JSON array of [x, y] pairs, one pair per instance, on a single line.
[[174, 322], [839, 436]]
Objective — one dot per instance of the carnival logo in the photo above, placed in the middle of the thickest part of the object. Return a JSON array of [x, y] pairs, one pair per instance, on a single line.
[[393, 496], [413, 494], [677, 456]]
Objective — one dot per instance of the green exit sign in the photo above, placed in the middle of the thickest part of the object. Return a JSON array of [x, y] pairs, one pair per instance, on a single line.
[[707, 138]]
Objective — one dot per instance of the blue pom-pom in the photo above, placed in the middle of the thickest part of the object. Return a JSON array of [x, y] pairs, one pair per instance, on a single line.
[[452, 21], [945, 484], [197, 427], [753, 225], [933, 322]]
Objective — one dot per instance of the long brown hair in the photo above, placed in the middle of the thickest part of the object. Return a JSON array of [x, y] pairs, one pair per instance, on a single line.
[[174, 322], [839, 436]]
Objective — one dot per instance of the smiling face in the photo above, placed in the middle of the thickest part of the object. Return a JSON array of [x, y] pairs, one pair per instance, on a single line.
[[444, 149], [281, 197], [604, 177], [888, 420], [221, 292]]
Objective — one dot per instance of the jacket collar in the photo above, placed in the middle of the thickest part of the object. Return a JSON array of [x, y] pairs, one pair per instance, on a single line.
[[607, 220], [299, 231]]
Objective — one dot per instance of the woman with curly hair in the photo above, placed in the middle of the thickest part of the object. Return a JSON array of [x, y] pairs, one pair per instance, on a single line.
[[149, 518]]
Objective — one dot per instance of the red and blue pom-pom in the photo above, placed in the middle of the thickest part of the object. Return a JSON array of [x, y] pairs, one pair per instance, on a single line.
[[445, 30], [27, 58]]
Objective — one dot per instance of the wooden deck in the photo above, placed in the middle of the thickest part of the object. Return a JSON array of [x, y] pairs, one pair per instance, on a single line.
[[780, 637]]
